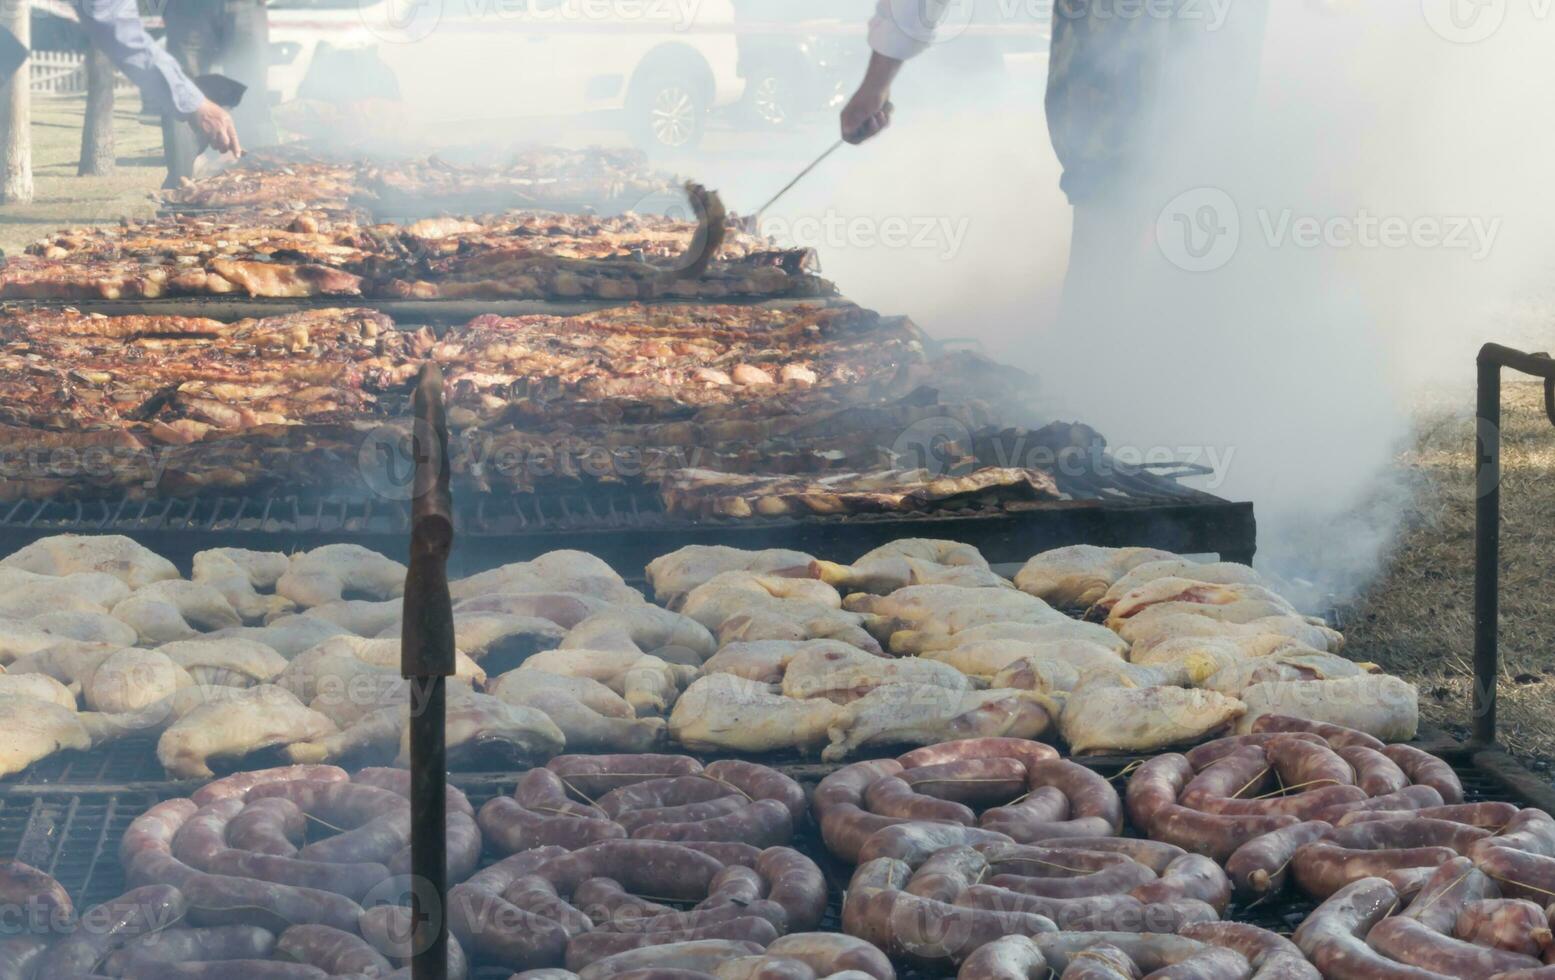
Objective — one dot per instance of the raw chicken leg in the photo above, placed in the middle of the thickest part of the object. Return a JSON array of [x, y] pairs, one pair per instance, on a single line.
[[845, 676], [364, 617], [912, 642], [1107, 717], [673, 576], [912, 714], [565, 609], [132, 679], [585, 729], [725, 713], [176, 610], [645, 628], [949, 609], [988, 658], [35, 730], [1076, 576], [228, 663], [556, 571], [767, 660], [328, 573], [650, 685], [1158, 624], [288, 636], [913, 561], [99, 588], [1380, 705], [222, 572], [112, 554], [1232, 603], [256, 718], [1218, 573]]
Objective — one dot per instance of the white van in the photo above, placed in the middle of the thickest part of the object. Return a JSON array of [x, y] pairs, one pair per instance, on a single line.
[[659, 67]]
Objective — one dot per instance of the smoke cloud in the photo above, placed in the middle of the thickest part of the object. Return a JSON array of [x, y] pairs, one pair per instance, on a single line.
[[1383, 210]]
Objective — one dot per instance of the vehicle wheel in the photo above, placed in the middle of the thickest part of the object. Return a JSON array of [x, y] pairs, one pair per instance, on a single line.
[[771, 101], [667, 112]]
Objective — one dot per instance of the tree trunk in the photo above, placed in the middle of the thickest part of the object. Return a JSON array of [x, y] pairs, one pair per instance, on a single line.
[[16, 112], [97, 132]]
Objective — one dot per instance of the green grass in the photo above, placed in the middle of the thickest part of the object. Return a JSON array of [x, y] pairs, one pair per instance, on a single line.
[[63, 199]]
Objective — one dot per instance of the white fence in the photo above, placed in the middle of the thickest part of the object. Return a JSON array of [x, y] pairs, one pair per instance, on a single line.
[[64, 73]]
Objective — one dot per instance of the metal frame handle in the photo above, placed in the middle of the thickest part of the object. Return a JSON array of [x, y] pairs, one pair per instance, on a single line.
[[1487, 521], [426, 661]]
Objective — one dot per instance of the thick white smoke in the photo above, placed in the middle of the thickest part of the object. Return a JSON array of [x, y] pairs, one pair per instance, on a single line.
[[1392, 203]]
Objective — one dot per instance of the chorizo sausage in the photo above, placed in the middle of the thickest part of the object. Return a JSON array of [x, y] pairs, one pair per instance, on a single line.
[[1521, 874], [1303, 805], [1190, 876], [1155, 785], [592, 776], [1259, 867], [390, 930], [1009, 958], [1374, 772], [1300, 764], [932, 934], [829, 954], [795, 883], [1101, 962], [510, 827], [1320, 869], [113, 924], [397, 781], [20, 956], [1239, 775], [1053, 873], [915, 842], [1411, 942], [1201, 756], [845, 826], [1151, 951], [594, 946], [1425, 769], [1095, 809], [226, 969], [1271, 955], [700, 955], [1493, 817], [1212, 964], [332, 950], [1531, 830], [44, 903], [1408, 798], [1512, 924], [765, 823], [1118, 913], [993, 747], [1212, 835], [1155, 855], [269, 826], [894, 797], [974, 782], [1337, 736], [758, 782], [1041, 814], [239, 783], [216, 900], [1331, 935], [1419, 832], [178, 944]]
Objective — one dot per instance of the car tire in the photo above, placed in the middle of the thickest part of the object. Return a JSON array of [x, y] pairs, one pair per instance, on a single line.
[[667, 112], [771, 101]]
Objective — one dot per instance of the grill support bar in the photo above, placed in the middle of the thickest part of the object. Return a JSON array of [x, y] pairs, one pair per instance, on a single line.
[[1487, 521], [426, 661]]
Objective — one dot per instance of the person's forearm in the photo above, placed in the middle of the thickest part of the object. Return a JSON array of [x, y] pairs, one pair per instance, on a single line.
[[882, 71], [116, 29]]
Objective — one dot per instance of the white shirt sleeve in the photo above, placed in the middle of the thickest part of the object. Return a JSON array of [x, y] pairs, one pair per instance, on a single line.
[[903, 29]]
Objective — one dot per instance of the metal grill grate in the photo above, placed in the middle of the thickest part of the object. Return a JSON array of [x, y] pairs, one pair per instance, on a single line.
[[75, 837]]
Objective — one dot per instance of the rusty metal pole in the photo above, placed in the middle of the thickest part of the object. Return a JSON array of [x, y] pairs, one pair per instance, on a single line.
[[1487, 521], [426, 661]]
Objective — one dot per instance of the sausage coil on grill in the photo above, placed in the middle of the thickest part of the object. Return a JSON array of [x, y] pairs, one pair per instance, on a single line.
[[548, 906], [178, 944], [726, 801], [137, 913], [1026, 795]]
